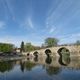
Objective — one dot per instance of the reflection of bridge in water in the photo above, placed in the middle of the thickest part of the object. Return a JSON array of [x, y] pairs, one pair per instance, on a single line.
[[50, 63], [74, 50], [71, 62]]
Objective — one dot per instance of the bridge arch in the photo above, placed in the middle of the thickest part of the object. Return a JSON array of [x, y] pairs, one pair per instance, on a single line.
[[63, 50], [36, 53], [48, 52], [28, 54]]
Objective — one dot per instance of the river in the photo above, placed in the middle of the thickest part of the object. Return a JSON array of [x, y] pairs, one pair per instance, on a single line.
[[41, 68]]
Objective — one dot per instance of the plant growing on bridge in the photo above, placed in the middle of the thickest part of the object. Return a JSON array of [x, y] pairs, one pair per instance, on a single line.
[[49, 42]]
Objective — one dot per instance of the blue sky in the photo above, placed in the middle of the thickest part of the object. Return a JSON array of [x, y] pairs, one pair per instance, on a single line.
[[35, 20]]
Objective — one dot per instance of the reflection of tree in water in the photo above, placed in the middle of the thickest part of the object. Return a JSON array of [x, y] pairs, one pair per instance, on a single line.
[[53, 70], [6, 66], [29, 65], [48, 60], [22, 66]]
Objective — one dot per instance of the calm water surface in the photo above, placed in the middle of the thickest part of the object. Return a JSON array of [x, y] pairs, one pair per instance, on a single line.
[[38, 68]]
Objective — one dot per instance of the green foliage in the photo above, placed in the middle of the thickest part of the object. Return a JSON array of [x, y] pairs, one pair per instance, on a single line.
[[5, 66], [49, 42], [30, 47], [53, 70], [6, 47], [22, 47], [29, 65], [64, 52]]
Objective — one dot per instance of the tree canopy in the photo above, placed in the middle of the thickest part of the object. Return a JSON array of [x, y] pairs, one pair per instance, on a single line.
[[30, 47], [49, 42], [4, 47]]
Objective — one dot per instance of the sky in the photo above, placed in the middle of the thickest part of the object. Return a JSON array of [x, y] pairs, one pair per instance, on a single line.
[[35, 20]]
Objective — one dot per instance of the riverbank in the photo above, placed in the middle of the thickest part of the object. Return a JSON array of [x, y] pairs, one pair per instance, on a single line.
[[11, 58]]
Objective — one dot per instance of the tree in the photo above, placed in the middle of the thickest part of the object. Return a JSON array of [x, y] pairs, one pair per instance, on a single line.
[[49, 42], [78, 42], [22, 47], [4, 47], [29, 47]]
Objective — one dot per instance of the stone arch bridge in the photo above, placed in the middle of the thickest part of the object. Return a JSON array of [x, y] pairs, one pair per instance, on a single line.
[[74, 50]]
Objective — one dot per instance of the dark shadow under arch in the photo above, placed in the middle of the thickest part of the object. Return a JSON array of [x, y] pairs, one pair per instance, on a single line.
[[28, 54], [48, 52], [48, 60], [60, 51], [64, 58], [35, 53], [61, 61]]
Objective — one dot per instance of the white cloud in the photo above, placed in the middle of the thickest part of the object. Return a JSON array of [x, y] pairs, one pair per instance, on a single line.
[[27, 23], [50, 27], [2, 24], [52, 30], [16, 40], [30, 23]]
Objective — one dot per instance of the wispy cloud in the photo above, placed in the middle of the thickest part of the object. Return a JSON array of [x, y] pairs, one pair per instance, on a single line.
[[30, 23], [69, 38], [62, 17], [50, 27], [27, 23], [52, 30], [2, 25], [8, 8]]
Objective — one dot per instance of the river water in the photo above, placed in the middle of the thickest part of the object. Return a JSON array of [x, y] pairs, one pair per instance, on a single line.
[[41, 68]]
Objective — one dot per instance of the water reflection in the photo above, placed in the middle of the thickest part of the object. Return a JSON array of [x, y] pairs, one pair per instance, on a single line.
[[53, 70], [22, 64], [28, 65], [36, 58], [46, 68], [64, 59], [48, 60], [28, 58], [6, 66]]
